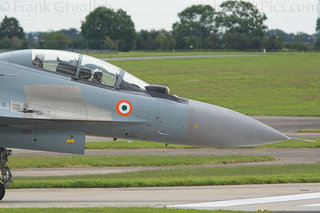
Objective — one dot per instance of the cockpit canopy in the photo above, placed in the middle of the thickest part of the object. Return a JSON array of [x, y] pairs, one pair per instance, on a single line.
[[84, 68]]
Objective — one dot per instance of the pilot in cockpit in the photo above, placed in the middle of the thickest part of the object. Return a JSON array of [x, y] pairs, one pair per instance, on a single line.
[[97, 76], [38, 61]]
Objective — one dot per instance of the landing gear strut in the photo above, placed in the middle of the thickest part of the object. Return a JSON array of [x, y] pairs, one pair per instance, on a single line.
[[5, 171]]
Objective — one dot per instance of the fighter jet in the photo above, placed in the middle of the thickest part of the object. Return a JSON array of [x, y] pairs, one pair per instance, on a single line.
[[50, 100]]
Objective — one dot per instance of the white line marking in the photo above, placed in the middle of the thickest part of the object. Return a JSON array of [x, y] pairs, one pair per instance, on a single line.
[[311, 205], [240, 202]]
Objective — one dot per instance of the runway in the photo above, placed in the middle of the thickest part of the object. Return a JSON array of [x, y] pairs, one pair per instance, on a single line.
[[283, 156], [283, 197], [289, 125]]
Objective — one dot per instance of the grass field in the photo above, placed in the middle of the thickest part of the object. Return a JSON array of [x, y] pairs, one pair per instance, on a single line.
[[277, 84], [292, 144], [309, 131], [108, 210], [130, 161], [304, 173], [166, 53], [152, 145]]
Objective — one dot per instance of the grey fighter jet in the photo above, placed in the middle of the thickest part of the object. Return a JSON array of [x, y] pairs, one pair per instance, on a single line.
[[50, 100]]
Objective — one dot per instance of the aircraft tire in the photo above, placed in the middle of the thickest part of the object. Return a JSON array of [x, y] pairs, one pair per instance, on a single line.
[[2, 191]]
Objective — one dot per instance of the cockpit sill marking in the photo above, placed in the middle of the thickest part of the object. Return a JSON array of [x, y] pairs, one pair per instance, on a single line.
[[7, 75], [42, 103]]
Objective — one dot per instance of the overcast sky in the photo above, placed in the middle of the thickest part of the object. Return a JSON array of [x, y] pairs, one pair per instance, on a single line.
[[43, 15]]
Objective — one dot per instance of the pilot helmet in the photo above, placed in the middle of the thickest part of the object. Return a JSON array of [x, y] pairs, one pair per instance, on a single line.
[[40, 56], [97, 74]]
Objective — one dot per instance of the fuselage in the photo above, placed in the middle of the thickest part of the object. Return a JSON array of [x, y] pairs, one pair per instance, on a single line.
[[43, 99]]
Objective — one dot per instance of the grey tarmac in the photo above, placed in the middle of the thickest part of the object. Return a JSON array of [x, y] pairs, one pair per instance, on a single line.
[[280, 197], [283, 156], [289, 125]]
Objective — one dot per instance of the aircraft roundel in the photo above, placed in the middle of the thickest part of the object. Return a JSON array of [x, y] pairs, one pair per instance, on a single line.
[[124, 108]]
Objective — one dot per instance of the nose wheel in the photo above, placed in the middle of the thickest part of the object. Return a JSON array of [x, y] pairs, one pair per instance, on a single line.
[[2, 191], [6, 175]]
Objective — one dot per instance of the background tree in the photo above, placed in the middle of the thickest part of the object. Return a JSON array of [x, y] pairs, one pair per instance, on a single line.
[[273, 42], [54, 40], [213, 41], [193, 42], [318, 25], [286, 37], [17, 43], [298, 46], [14, 43], [317, 44], [165, 40], [243, 25], [10, 27], [116, 25], [5, 43], [197, 23], [71, 32], [11, 34], [77, 40], [145, 40]]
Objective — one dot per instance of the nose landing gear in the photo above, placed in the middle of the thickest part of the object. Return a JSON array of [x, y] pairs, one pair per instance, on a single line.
[[6, 175]]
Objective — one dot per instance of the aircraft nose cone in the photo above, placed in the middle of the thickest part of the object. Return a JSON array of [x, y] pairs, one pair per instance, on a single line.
[[214, 126]]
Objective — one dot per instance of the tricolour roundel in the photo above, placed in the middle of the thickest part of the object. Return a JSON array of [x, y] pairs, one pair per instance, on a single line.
[[124, 108]]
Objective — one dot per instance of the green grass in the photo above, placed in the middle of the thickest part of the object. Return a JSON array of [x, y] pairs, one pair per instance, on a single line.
[[309, 131], [292, 144], [166, 53], [110, 210], [305, 173], [129, 161], [152, 145], [276, 84]]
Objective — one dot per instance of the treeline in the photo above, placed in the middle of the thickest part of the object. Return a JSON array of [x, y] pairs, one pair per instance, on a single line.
[[12, 35], [274, 40], [239, 25]]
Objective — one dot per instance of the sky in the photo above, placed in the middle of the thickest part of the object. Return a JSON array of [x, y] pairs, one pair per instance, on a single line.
[[44, 15]]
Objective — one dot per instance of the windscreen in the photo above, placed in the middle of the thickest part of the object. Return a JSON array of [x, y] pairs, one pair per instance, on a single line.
[[130, 82], [98, 71]]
